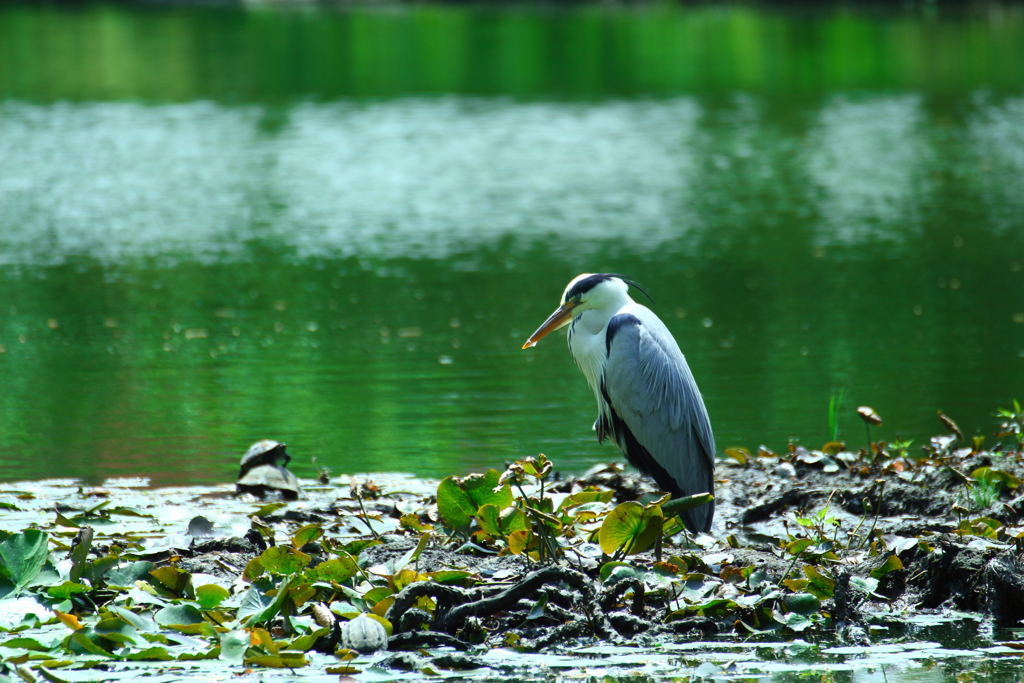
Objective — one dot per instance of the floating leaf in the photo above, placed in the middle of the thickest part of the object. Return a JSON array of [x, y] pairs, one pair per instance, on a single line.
[[66, 590], [412, 523], [127, 575], [79, 642], [150, 654], [451, 577], [211, 595], [174, 615], [173, 579], [255, 603]]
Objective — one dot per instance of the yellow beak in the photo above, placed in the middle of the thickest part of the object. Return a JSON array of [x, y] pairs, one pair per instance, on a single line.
[[560, 318]]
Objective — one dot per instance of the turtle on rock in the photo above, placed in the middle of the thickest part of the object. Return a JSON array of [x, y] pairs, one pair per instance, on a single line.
[[263, 472]]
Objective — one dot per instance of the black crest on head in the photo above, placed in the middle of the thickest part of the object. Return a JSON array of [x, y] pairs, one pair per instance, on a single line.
[[588, 283]]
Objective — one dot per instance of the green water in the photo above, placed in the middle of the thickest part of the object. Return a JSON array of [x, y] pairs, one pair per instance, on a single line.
[[337, 228]]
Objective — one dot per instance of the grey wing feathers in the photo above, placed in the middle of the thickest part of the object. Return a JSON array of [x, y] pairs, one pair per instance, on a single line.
[[650, 387]]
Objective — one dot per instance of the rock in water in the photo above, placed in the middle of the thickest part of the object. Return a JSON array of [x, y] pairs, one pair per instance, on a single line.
[[364, 634]]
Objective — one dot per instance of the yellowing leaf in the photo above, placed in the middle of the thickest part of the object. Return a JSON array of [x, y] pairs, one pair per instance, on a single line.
[[69, 620]]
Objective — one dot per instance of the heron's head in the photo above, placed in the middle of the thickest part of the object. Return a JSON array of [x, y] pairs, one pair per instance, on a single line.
[[586, 292]]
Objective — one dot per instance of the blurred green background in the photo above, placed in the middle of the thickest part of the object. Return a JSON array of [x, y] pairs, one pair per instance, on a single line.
[[337, 226]]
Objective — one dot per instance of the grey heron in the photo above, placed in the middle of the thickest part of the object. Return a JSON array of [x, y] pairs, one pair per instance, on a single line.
[[647, 399]]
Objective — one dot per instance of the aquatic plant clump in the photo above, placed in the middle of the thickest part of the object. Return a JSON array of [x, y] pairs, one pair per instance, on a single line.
[[435, 576]]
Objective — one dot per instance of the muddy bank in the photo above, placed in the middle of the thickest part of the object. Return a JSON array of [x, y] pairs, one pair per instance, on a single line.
[[825, 544]]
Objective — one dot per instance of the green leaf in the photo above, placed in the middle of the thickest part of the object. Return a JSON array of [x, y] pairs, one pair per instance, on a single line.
[[994, 476], [150, 654], [487, 517], [233, 645], [268, 509], [513, 519], [481, 489], [96, 570], [211, 595], [450, 576], [630, 526], [23, 555], [126, 576], [802, 603], [414, 553], [117, 631], [864, 585], [253, 598], [612, 572], [334, 571], [176, 615], [822, 585], [141, 622], [66, 590], [454, 504], [307, 534], [283, 561], [79, 642], [740, 455], [794, 620], [537, 611], [891, 564], [173, 579], [26, 644], [80, 552], [353, 548], [798, 546], [255, 602], [585, 497], [677, 505], [458, 500]]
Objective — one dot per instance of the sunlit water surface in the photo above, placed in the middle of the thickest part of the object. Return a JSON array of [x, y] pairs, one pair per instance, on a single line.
[[185, 271]]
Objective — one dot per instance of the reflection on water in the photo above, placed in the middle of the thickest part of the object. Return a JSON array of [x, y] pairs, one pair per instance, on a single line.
[[355, 276]]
